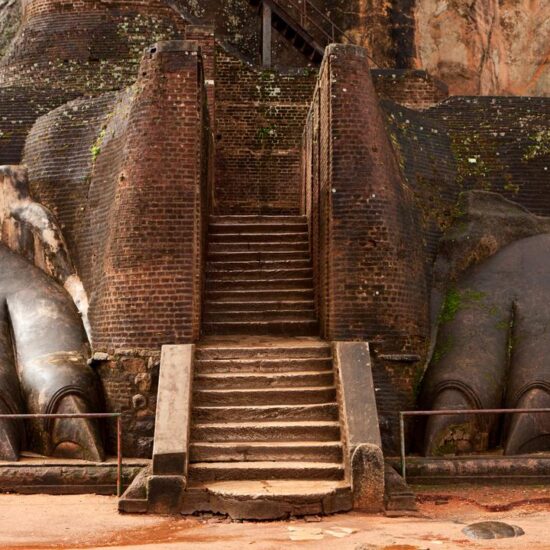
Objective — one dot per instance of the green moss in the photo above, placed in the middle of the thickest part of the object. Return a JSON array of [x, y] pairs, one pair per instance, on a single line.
[[456, 300], [95, 149], [539, 146]]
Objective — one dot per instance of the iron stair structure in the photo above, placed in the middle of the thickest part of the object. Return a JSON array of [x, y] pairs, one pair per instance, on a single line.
[[303, 25]]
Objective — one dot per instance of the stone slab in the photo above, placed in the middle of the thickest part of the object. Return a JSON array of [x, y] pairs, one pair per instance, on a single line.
[[170, 449]]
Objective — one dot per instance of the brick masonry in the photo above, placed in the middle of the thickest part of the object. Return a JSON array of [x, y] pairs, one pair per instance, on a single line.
[[126, 174], [259, 122]]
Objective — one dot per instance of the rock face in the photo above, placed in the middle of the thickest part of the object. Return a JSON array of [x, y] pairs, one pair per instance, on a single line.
[[10, 15], [485, 47]]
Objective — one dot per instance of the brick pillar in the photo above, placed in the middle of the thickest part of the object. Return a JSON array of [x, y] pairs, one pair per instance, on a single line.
[[376, 281], [150, 293]]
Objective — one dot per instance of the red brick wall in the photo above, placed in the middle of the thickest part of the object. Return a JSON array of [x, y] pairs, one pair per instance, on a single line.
[[367, 243], [133, 215], [259, 123], [88, 45], [412, 88]]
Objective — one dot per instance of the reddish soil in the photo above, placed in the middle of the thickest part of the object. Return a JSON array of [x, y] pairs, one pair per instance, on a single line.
[[41, 522]]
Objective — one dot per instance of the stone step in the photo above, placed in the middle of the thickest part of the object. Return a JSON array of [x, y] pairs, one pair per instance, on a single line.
[[205, 366], [256, 219], [230, 471], [257, 265], [269, 227], [263, 500], [263, 380], [259, 295], [254, 237], [271, 396], [257, 256], [265, 247], [259, 274], [260, 284], [271, 413], [287, 327], [306, 430], [230, 314], [284, 349], [258, 307], [229, 451]]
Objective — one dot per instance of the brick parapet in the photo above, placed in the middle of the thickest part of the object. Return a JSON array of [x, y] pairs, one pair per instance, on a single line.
[[134, 210], [369, 257]]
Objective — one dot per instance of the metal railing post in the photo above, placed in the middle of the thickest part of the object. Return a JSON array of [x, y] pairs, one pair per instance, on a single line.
[[402, 442], [119, 456]]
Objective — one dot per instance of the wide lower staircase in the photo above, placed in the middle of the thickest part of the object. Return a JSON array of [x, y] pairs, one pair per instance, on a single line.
[[265, 434]]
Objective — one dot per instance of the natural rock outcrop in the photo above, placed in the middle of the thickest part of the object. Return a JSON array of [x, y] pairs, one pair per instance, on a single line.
[[485, 47]]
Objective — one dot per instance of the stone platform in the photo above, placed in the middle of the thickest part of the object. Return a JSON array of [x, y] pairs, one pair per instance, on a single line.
[[495, 469], [37, 474]]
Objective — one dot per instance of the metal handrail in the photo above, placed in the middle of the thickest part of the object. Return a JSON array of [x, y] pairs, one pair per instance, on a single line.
[[302, 7], [305, 7], [448, 412], [118, 416]]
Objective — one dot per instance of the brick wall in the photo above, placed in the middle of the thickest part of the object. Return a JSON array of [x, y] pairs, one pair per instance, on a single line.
[[89, 46], [259, 123], [369, 258], [412, 88], [124, 175], [65, 49], [127, 174], [367, 247]]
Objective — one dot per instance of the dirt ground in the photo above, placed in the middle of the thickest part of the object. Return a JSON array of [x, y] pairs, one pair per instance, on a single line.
[[71, 522]]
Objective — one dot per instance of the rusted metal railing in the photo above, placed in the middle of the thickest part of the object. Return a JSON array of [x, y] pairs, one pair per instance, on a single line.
[[311, 15], [448, 412], [118, 417]]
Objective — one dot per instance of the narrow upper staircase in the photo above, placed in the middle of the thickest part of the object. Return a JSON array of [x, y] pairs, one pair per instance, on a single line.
[[259, 277], [265, 433]]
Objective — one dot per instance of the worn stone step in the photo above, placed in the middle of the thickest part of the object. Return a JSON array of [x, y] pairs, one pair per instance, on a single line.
[[263, 306], [257, 265], [260, 284], [259, 295], [252, 380], [257, 256], [261, 247], [254, 237], [245, 413], [228, 471], [205, 366], [281, 349], [229, 314], [306, 430], [275, 499], [259, 274], [269, 227], [288, 327], [238, 219], [229, 451], [271, 396]]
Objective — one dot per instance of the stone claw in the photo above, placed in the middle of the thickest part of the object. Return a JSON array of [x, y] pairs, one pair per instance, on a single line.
[[76, 438], [451, 434], [529, 433]]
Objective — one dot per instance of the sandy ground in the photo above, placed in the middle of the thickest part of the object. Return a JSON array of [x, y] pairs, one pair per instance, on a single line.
[[71, 522]]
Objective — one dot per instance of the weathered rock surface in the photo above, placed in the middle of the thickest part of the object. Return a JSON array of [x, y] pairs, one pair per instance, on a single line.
[[485, 47], [492, 530]]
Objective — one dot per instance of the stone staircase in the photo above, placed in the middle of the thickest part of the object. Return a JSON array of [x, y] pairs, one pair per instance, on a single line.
[[265, 430], [259, 279]]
